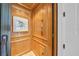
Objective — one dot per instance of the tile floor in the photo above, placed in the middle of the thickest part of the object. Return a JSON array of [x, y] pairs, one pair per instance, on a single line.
[[29, 54]]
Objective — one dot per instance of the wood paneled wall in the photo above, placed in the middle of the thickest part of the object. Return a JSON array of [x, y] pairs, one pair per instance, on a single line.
[[42, 30], [39, 37], [20, 41]]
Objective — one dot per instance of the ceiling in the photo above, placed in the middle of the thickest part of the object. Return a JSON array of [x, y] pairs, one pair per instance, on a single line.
[[29, 6]]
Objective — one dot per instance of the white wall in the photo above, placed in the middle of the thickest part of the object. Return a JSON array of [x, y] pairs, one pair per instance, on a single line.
[[68, 29]]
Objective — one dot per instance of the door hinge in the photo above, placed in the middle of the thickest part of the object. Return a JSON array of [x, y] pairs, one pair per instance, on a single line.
[[63, 46], [64, 14]]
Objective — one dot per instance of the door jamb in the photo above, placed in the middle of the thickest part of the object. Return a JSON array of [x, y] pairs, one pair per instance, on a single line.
[[55, 29]]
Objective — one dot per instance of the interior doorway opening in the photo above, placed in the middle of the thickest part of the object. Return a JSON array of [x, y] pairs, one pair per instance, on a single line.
[[40, 38]]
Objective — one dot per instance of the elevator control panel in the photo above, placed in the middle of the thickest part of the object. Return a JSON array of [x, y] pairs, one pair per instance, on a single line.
[[4, 38], [3, 44]]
